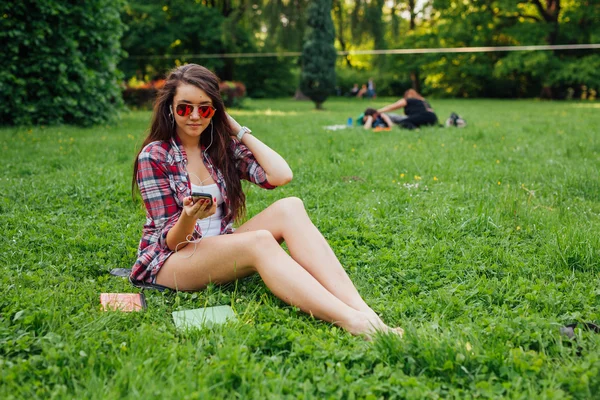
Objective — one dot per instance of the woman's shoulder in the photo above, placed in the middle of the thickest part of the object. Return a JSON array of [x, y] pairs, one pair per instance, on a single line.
[[157, 150]]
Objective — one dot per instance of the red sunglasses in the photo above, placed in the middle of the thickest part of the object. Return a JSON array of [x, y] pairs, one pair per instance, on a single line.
[[183, 110]]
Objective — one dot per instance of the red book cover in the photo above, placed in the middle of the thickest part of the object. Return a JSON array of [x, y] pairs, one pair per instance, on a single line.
[[123, 301]]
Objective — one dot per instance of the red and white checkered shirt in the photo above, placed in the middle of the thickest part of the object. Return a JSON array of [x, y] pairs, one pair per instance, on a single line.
[[164, 182]]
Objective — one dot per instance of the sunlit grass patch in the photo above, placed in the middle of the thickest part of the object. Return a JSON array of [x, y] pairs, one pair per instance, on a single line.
[[480, 242]]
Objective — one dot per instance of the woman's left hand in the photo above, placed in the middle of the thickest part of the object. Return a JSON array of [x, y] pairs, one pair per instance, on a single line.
[[235, 126]]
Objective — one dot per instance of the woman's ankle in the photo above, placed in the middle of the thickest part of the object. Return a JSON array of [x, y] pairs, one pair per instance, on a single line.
[[364, 324]]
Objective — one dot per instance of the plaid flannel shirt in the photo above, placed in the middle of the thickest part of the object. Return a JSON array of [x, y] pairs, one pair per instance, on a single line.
[[164, 182]]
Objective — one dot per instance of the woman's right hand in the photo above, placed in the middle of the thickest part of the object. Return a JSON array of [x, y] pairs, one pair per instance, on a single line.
[[199, 210]]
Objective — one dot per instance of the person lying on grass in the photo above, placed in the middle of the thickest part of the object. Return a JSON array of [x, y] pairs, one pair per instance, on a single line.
[[195, 146], [375, 119]]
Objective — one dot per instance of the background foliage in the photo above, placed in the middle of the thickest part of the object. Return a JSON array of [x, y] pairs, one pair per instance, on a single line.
[[265, 26], [62, 62], [59, 61]]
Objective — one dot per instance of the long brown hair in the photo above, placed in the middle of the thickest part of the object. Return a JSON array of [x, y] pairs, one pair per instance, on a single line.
[[162, 128], [412, 94]]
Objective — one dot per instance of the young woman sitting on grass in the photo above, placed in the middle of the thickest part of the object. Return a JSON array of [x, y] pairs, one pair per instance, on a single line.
[[194, 145]]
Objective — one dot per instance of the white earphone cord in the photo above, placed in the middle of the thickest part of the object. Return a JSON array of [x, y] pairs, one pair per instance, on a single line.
[[188, 238]]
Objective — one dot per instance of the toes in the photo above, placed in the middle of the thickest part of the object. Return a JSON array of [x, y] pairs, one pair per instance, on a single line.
[[399, 331]]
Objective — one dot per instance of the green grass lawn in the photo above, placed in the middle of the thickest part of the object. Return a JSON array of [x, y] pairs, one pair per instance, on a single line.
[[481, 242]]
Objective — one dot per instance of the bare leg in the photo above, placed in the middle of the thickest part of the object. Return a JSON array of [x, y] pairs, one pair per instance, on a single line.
[[288, 221], [225, 258]]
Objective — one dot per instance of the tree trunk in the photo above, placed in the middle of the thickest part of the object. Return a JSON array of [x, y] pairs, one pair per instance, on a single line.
[[411, 6], [339, 8], [414, 74], [414, 78], [300, 96], [550, 14], [546, 93]]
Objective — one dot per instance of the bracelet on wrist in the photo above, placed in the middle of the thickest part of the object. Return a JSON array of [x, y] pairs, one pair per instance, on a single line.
[[242, 132]]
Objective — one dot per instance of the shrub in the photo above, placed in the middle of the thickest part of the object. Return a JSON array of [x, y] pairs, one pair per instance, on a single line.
[[141, 98], [59, 61], [233, 93], [141, 95]]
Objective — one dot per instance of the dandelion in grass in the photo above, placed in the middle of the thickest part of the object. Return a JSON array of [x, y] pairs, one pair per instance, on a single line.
[[497, 161], [499, 183], [417, 178], [435, 178], [518, 228], [401, 175]]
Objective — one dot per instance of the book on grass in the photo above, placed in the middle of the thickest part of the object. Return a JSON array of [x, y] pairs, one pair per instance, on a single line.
[[203, 317], [123, 301]]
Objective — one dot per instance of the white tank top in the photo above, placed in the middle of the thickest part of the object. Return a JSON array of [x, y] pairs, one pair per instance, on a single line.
[[211, 226]]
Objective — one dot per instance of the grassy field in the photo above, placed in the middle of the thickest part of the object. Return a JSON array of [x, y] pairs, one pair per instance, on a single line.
[[481, 242]]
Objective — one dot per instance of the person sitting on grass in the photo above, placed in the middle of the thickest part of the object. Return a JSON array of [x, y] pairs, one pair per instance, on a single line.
[[374, 119], [195, 145], [416, 108], [362, 91], [371, 89]]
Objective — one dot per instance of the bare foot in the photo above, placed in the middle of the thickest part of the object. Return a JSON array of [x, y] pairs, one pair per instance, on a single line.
[[368, 326], [373, 315], [399, 331]]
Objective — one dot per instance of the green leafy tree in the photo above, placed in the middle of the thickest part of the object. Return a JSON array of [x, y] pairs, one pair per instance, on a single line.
[[161, 36], [317, 79], [59, 61]]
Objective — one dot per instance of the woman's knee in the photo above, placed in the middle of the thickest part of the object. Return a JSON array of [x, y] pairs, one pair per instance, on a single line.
[[290, 206], [260, 244]]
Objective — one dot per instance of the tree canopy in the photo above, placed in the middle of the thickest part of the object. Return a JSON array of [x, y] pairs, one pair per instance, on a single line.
[[160, 36]]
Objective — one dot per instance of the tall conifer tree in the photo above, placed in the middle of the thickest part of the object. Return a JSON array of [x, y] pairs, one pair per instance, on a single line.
[[317, 80]]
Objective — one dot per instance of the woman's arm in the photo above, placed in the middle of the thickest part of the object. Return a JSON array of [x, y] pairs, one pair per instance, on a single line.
[[394, 106], [387, 120], [178, 234], [368, 122], [276, 168]]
